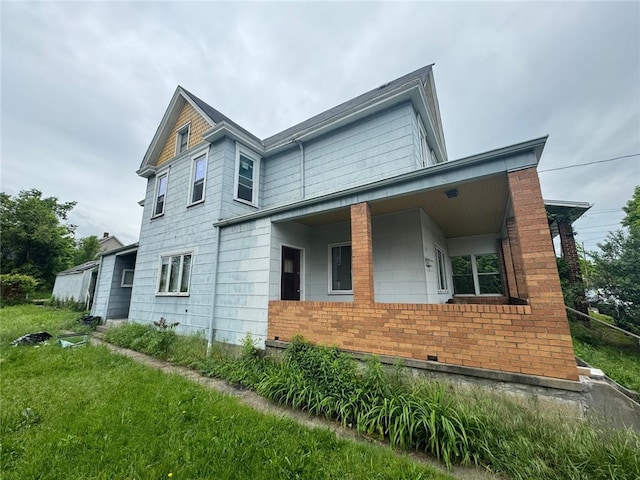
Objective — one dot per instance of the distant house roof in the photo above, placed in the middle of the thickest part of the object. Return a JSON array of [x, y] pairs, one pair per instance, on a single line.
[[81, 268], [122, 250]]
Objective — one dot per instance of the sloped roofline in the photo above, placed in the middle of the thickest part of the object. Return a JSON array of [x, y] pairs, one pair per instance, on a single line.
[[318, 124]]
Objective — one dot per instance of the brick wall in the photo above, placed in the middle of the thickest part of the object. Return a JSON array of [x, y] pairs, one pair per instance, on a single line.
[[569, 250], [530, 339], [198, 127]]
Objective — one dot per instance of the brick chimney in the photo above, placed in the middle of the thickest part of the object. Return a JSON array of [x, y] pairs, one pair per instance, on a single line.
[[105, 235]]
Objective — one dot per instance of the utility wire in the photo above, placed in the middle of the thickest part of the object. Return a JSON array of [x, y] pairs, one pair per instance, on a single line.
[[588, 163]]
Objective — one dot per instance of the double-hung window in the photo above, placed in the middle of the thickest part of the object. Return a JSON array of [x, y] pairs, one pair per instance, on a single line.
[[182, 139], [246, 176], [161, 195], [442, 270], [340, 277], [477, 275], [198, 177], [175, 273]]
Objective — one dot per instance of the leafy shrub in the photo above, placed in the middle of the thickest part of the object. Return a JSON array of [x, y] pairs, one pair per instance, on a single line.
[[67, 303], [15, 288]]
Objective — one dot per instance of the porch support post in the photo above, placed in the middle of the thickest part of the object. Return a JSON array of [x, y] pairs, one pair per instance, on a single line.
[[569, 250], [538, 262], [510, 273], [362, 254]]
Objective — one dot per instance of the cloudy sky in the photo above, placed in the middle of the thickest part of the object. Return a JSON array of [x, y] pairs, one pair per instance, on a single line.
[[84, 86]]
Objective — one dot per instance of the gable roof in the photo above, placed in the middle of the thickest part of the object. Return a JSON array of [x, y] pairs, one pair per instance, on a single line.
[[80, 268], [400, 89], [349, 105]]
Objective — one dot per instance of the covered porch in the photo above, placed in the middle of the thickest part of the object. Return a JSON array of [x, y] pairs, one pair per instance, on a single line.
[[459, 273]]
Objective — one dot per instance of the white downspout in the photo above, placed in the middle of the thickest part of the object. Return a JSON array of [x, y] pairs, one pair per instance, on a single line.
[[213, 292], [301, 170]]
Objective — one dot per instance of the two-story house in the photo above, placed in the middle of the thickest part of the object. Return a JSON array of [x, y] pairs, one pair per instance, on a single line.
[[351, 228]]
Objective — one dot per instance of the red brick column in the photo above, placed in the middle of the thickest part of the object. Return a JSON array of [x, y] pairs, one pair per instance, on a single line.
[[516, 258], [507, 258], [569, 250], [539, 270], [362, 254]]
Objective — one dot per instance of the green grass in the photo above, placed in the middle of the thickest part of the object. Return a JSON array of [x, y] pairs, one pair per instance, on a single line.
[[84, 413], [456, 427], [612, 352]]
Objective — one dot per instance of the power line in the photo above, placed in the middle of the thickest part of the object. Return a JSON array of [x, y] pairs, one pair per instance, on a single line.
[[588, 163], [598, 226]]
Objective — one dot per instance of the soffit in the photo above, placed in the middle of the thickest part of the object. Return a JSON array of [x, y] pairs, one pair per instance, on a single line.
[[479, 207]]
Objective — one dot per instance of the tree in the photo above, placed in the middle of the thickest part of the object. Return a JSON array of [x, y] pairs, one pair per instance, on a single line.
[[617, 266], [632, 209], [36, 239], [87, 249]]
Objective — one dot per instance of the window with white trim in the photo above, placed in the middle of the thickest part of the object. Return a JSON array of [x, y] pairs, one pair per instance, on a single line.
[[161, 195], [442, 270], [477, 275], [127, 278], [246, 176], [182, 139], [340, 275], [175, 274], [198, 179]]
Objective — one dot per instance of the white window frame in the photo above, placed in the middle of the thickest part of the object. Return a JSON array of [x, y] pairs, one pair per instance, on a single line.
[[194, 162], [178, 293], [441, 269], [156, 188], [124, 275], [330, 289], [474, 274], [424, 157], [185, 129], [245, 152]]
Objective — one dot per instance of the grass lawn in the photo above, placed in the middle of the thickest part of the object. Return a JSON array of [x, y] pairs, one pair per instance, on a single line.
[[612, 352], [83, 413]]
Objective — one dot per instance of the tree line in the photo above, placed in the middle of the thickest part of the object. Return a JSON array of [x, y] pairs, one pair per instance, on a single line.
[[37, 238]]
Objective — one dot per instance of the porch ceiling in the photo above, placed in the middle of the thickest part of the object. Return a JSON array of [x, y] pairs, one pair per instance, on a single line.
[[479, 207]]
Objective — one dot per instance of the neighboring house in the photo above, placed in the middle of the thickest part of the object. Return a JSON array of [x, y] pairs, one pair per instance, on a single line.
[[78, 283], [351, 228], [108, 243]]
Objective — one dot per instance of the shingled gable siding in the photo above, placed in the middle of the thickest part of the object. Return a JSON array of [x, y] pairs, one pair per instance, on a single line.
[[527, 339], [198, 126]]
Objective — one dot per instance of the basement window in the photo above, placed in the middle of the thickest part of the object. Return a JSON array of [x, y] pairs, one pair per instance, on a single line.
[[477, 275]]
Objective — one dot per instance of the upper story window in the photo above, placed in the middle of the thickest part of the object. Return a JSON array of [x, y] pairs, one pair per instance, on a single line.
[[198, 179], [340, 276], [477, 275], [182, 140], [161, 195], [247, 174]]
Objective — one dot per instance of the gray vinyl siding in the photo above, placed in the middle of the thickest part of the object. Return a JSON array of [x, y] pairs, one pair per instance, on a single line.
[[432, 236], [398, 265], [378, 147], [120, 297], [73, 287], [103, 286], [242, 293]]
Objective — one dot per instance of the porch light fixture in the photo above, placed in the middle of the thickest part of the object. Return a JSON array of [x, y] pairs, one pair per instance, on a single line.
[[453, 193], [428, 262]]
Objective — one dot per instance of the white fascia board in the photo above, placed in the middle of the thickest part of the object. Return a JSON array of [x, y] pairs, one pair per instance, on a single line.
[[567, 203], [168, 119], [400, 94], [223, 129]]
